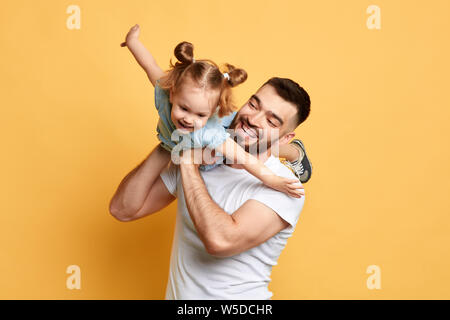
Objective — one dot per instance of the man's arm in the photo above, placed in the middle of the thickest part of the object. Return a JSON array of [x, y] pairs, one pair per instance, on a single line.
[[222, 234], [142, 191]]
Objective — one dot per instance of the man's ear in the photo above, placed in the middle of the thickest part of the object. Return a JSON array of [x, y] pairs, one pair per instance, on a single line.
[[287, 137]]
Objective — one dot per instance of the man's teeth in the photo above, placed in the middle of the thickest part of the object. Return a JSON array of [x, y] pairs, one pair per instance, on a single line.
[[249, 131]]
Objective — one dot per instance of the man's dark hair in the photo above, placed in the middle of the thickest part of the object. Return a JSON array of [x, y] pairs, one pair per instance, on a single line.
[[291, 92]]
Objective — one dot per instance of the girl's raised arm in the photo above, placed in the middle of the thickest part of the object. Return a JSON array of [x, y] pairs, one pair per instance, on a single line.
[[142, 55], [231, 150]]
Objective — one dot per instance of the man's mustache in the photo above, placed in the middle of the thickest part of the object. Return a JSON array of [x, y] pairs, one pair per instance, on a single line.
[[256, 129]]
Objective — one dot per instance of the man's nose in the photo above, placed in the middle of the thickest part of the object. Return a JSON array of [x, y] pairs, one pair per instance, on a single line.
[[254, 120]]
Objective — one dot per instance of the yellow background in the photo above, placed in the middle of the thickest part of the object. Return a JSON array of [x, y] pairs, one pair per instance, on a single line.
[[77, 114]]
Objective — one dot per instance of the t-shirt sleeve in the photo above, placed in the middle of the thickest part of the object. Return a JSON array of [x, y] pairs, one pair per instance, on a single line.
[[170, 178], [287, 207], [161, 97], [165, 126]]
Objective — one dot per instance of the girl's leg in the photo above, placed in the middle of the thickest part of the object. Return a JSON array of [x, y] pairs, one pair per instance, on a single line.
[[296, 159]]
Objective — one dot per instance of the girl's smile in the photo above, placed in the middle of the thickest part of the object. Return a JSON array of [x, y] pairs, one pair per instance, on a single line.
[[192, 106]]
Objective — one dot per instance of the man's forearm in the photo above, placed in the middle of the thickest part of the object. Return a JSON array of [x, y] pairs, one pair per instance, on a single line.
[[136, 185], [214, 226]]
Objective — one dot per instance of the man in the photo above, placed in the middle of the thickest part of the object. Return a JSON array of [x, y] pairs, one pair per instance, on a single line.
[[230, 228]]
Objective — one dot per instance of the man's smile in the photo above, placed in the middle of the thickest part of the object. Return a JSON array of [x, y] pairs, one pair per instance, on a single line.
[[246, 130]]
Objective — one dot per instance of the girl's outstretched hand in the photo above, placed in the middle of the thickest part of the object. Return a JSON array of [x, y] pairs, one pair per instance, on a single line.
[[132, 34], [291, 187]]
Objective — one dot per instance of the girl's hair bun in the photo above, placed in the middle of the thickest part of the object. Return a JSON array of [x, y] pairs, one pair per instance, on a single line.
[[237, 75], [205, 73], [184, 52]]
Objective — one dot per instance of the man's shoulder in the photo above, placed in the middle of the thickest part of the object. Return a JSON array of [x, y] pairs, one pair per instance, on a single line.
[[287, 207], [278, 168], [274, 164]]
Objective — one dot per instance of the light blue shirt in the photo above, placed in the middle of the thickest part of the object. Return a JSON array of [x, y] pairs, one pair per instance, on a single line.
[[211, 135]]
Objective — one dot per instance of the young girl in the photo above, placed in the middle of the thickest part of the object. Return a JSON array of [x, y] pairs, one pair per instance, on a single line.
[[194, 99]]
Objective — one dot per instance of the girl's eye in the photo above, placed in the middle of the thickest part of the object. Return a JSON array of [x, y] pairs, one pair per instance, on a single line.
[[251, 105], [183, 108], [272, 124]]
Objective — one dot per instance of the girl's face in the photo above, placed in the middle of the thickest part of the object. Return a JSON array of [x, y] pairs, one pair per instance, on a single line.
[[192, 106]]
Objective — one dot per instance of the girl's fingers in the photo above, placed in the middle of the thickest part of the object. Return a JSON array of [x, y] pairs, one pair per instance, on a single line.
[[297, 192], [287, 180], [295, 186], [295, 195]]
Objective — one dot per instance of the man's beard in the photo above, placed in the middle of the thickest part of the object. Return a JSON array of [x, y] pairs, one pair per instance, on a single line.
[[255, 148]]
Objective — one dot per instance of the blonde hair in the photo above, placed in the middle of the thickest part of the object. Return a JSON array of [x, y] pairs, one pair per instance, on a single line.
[[204, 73]]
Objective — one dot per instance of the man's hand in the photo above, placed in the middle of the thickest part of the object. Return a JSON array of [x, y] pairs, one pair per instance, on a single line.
[[131, 35]]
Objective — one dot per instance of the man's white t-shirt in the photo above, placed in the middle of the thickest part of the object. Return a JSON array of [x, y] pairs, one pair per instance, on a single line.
[[194, 273]]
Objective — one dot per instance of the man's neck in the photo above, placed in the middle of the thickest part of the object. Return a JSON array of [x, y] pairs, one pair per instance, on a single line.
[[262, 157]]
